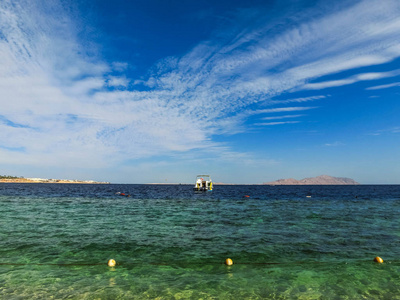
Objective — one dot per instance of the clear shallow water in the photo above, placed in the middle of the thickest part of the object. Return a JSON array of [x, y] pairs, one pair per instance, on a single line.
[[170, 243]]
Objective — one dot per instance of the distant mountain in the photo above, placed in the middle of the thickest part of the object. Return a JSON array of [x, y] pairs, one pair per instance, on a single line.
[[319, 180]]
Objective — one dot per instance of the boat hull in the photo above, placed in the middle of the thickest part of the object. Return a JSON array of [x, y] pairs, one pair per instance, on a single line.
[[201, 189]]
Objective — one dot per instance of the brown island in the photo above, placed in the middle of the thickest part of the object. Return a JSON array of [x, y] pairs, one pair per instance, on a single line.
[[319, 180]]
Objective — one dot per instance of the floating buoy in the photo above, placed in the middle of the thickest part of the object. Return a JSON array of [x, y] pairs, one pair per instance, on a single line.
[[378, 260], [308, 196], [246, 196], [111, 263], [122, 194], [229, 262]]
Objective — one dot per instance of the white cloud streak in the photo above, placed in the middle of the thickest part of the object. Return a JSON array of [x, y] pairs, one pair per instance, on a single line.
[[384, 86], [393, 130], [282, 117], [351, 80], [334, 144], [282, 109], [298, 100], [276, 123]]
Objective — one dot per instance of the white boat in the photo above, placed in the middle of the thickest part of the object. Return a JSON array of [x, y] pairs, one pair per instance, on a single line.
[[203, 183]]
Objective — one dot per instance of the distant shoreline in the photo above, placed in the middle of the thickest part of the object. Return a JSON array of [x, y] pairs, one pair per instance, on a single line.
[[27, 180], [55, 181], [268, 184]]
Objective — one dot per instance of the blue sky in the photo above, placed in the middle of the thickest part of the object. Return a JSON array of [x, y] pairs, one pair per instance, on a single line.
[[160, 91]]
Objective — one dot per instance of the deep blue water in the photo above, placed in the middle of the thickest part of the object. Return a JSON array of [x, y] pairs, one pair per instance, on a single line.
[[286, 242]]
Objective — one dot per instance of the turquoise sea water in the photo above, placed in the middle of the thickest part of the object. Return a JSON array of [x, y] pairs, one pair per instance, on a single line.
[[171, 243]]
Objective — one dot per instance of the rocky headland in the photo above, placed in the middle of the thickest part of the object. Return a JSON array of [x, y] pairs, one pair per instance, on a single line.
[[319, 180]]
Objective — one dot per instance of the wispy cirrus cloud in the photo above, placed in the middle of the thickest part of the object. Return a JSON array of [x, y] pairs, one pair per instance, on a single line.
[[70, 103], [392, 130], [282, 109], [351, 80], [298, 100], [383, 86], [334, 144], [276, 123], [282, 117]]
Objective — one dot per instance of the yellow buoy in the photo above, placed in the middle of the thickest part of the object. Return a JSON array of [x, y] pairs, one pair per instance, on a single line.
[[229, 262], [378, 260], [111, 263]]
